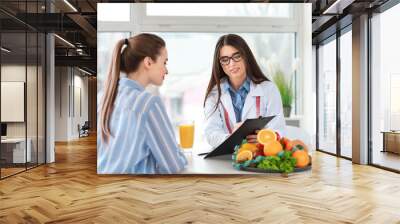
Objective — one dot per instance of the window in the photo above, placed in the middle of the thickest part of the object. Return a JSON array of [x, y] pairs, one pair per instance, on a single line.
[[346, 94], [112, 12], [22, 79], [394, 101], [385, 87], [220, 10], [327, 97]]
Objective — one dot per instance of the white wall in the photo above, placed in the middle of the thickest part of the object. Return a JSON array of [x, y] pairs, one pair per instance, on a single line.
[[308, 81], [50, 94], [33, 126], [67, 114], [12, 73], [79, 117], [61, 103]]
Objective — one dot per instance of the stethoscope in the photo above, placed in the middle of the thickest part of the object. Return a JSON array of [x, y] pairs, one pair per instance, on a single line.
[[226, 115]]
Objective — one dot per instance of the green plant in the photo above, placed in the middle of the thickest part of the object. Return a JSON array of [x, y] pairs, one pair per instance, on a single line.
[[285, 88]]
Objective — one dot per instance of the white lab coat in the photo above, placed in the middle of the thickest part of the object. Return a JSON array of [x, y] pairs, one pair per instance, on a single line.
[[215, 129]]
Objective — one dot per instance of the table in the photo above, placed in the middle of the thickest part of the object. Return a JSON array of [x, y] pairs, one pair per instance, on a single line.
[[214, 165], [391, 141], [13, 150]]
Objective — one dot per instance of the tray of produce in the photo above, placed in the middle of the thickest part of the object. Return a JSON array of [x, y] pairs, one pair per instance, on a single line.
[[272, 154]]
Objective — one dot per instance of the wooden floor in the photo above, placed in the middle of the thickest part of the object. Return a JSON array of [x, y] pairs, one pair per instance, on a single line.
[[70, 191], [10, 171], [5, 172], [387, 159]]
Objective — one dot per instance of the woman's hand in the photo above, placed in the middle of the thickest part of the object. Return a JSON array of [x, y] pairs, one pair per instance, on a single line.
[[252, 138]]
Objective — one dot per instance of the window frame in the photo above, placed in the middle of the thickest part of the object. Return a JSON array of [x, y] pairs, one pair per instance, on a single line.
[[334, 37], [219, 20], [140, 22]]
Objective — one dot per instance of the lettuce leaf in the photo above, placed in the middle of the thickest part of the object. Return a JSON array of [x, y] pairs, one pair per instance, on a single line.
[[284, 163]]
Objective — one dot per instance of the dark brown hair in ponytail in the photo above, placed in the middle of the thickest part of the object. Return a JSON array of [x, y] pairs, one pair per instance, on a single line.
[[137, 48]]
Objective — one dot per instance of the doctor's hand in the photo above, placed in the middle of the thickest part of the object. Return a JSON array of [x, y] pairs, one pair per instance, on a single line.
[[252, 138]]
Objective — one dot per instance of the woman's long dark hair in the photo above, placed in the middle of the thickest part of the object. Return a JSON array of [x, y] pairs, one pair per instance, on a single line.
[[253, 71], [137, 48]]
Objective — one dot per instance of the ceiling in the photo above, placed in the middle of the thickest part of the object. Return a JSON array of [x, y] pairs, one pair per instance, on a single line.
[[76, 24], [329, 16]]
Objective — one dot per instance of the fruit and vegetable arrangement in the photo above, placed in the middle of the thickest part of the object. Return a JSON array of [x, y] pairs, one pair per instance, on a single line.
[[272, 153]]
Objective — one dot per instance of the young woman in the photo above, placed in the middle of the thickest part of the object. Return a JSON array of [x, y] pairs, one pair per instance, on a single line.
[[135, 135], [238, 90]]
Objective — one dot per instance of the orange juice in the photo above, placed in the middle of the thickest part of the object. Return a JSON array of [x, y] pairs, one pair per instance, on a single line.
[[186, 135]]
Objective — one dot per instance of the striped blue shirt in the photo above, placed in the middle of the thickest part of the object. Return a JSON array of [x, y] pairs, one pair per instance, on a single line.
[[143, 140]]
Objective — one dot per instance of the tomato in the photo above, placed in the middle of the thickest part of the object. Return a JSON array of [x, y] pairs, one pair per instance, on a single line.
[[287, 144], [259, 153], [278, 137]]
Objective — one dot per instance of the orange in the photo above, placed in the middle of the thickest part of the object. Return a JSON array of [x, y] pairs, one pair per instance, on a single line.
[[302, 158], [272, 148], [244, 156], [266, 135], [299, 142], [249, 146]]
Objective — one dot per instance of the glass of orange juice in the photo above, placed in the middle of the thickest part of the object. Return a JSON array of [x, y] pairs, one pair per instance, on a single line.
[[186, 134]]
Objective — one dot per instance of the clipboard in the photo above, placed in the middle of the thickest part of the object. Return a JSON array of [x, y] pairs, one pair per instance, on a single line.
[[249, 126]]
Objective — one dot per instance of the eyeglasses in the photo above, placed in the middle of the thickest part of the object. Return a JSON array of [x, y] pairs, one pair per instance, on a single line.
[[236, 57]]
